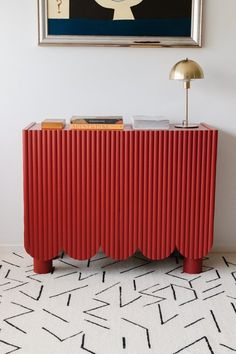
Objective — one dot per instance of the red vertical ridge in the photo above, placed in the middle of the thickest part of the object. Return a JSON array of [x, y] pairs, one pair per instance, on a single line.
[[117, 196], [187, 237], [50, 200], [136, 187], [98, 189], [174, 205], [68, 191], [212, 188], [103, 186], [31, 195], [103, 190], [160, 194], [202, 196], [179, 189], [169, 195], [125, 158], [154, 197], [145, 235], [131, 195], [145, 192], [126, 195], [79, 182], [40, 194], [35, 194], [54, 194], [149, 235], [117, 200], [93, 219], [193, 194], [32, 199], [44, 192], [87, 243], [74, 192], [112, 168], [27, 238], [64, 188], [130, 167], [197, 194], [183, 196], [207, 193], [140, 191], [59, 190], [198, 249], [164, 194], [121, 198], [83, 194], [107, 193]]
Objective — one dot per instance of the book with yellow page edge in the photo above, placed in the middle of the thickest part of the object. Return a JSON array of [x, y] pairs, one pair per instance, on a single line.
[[97, 123], [53, 124]]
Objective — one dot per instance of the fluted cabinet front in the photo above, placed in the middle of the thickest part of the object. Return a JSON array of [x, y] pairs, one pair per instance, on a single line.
[[119, 190]]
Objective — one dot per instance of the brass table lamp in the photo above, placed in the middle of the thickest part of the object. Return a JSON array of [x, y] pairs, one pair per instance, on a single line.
[[186, 70]]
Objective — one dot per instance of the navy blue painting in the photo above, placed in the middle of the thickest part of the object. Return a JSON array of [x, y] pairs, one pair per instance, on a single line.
[[152, 18]]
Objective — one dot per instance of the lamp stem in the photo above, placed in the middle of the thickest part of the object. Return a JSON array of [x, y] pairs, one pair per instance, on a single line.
[[187, 87]]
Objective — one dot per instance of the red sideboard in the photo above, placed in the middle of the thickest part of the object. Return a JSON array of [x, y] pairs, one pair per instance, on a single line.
[[119, 190]]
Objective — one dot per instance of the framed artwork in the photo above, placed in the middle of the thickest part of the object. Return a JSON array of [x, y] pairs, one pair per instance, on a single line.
[[147, 23]]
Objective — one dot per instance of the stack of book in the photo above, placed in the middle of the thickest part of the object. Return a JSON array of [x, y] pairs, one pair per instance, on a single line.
[[150, 123], [97, 123]]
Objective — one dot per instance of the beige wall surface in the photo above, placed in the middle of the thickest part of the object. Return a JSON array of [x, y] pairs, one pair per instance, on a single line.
[[48, 82]]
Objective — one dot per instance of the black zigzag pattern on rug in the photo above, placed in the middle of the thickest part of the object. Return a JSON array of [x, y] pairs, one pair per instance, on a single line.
[[103, 306]]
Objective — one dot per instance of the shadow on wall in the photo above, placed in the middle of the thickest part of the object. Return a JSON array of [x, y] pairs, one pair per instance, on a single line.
[[225, 210]]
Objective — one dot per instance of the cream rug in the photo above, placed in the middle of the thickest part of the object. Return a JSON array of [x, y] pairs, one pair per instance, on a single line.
[[104, 306]]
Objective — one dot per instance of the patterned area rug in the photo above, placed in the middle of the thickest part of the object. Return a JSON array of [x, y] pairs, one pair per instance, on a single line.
[[104, 306]]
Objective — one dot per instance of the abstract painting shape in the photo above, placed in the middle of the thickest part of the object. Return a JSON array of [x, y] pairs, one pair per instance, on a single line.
[[122, 8]]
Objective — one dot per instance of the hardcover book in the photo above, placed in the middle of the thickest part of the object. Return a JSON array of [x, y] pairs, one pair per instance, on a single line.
[[97, 123], [53, 124], [150, 123]]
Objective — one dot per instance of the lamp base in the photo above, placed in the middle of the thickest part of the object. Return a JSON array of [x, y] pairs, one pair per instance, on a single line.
[[189, 126]]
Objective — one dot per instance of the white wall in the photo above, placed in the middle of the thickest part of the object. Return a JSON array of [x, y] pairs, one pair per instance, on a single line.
[[38, 82]]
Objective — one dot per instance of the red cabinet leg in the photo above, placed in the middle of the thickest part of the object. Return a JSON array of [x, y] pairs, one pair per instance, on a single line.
[[42, 267], [192, 266]]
